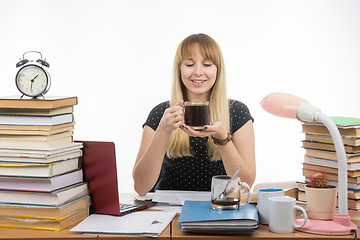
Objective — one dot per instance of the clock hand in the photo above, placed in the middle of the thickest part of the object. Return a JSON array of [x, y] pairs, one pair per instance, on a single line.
[[32, 80]]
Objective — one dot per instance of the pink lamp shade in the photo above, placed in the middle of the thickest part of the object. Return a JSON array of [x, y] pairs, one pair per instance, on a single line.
[[282, 104]]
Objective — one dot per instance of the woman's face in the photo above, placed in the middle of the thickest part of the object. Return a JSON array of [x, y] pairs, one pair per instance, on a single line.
[[198, 75]]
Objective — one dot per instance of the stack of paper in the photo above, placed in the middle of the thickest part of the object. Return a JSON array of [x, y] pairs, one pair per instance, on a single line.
[[168, 200], [146, 224]]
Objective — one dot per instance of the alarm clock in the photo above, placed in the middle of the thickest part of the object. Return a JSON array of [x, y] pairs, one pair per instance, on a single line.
[[32, 79]]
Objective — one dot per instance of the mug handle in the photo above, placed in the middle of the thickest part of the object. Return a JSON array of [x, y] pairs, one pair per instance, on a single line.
[[244, 184], [305, 216]]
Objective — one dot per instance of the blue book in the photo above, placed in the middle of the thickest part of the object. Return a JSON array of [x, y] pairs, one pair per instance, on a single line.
[[198, 216]]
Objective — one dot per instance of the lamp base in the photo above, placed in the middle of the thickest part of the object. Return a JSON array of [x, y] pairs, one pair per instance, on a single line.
[[340, 225]]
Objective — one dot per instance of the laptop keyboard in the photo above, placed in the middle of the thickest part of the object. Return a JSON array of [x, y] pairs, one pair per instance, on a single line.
[[126, 206]]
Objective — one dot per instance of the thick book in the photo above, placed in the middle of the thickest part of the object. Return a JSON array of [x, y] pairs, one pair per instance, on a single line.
[[347, 140], [36, 152], [350, 157], [330, 163], [55, 198], [198, 216], [320, 129], [36, 120], [36, 143], [351, 186], [36, 137], [348, 126], [38, 169], [41, 184], [36, 128], [329, 146], [334, 170], [45, 224], [37, 112], [49, 159], [44, 211], [49, 102], [331, 176], [11, 132]]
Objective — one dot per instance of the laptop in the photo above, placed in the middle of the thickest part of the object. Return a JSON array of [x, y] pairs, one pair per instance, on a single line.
[[99, 167]]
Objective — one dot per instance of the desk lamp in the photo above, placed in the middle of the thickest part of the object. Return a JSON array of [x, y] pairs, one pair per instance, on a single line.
[[290, 106]]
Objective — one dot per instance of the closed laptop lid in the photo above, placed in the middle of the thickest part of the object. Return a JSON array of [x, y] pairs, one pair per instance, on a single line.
[[99, 166]]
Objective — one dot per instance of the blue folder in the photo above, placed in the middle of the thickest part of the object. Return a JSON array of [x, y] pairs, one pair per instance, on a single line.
[[202, 217]]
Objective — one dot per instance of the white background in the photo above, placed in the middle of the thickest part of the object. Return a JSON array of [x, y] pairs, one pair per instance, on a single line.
[[116, 57]]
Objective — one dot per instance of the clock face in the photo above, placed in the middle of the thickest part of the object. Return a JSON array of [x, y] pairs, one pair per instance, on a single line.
[[32, 80]]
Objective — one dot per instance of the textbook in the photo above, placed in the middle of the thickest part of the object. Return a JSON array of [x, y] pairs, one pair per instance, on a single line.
[[333, 170], [329, 146], [44, 224], [340, 121], [36, 152], [16, 132], [36, 137], [38, 169], [49, 102], [42, 128], [35, 143], [348, 126], [41, 184], [320, 129], [351, 186], [36, 120], [347, 140], [331, 176], [44, 211], [36, 112], [350, 157], [198, 216], [330, 163], [50, 159], [55, 198]]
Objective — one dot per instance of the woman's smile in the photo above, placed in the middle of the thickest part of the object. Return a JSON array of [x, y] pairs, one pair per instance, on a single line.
[[198, 82]]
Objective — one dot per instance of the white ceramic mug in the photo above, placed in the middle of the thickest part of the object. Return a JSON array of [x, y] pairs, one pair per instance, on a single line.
[[263, 202], [282, 214]]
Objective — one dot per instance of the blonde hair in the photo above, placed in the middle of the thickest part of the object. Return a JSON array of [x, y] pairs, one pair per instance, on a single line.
[[179, 145]]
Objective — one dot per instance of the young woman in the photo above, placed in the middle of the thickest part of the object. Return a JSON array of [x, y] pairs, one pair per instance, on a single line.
[[172, 156]]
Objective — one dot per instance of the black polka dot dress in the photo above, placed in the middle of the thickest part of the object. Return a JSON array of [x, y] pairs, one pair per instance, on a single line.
[[194, 173]]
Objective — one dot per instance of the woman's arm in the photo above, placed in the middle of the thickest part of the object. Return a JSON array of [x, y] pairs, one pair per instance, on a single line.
[[149, 159], [240, 152], [153, 148]]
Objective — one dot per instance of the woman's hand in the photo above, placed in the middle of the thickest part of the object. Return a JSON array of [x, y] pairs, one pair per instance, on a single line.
[[172, 118], [215, 129]]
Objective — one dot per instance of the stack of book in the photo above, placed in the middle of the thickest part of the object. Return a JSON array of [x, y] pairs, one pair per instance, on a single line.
[[41, 180], [320, 156], [198, 216]]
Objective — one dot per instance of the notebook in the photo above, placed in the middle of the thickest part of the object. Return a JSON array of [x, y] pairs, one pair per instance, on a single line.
[[198, 216], [99, 167]]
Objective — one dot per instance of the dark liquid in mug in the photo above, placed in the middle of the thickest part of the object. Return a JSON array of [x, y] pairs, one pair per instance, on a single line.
[[227, 202], [197, 115]]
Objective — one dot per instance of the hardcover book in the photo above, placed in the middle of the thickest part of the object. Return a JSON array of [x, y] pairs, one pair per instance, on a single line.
[[55, 198], [44, 211], [49, 102], [41, 184]]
